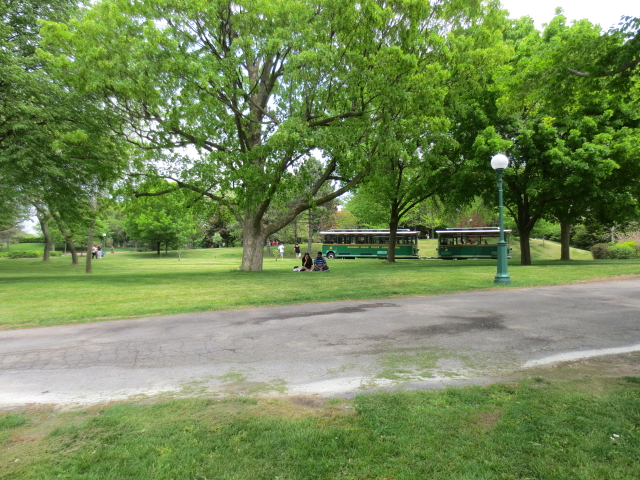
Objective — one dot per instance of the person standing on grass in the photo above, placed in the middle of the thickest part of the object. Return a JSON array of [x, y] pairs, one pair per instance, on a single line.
[[320, 264], [93, 251], [296, 249], [281, 250]]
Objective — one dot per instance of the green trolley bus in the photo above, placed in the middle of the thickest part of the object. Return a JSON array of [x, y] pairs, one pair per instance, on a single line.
[[368, 243], [463, 243]]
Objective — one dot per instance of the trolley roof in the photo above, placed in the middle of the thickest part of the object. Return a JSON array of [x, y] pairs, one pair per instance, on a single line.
[[471, 231], [370, 231]]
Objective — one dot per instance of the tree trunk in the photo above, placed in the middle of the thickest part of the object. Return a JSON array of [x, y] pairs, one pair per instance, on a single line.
[[268, 242], [74, 253], [393, 227], [565, 240], [87, 268], [67, 238], [166, 248], [159, 243], [310, 234], [525, 248], [295, 230], [253, 240], [47, 236]]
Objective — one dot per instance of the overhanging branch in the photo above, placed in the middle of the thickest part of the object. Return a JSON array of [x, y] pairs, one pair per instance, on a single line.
[[626, 66]]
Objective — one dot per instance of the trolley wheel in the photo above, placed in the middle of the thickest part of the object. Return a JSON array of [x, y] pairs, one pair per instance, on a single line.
[[331, 255]]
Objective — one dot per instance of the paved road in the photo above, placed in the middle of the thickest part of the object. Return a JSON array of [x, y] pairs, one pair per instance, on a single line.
[[327, 348]]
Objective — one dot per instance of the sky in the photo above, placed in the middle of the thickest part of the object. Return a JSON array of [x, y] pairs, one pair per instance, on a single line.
[[606, 13]]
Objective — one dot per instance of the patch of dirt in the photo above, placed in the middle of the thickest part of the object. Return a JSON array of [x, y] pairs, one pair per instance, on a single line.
[[623, 365], [488, 420], [308, 401]]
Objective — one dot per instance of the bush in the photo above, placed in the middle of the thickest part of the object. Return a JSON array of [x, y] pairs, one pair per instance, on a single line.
[[630, 243], [55, 253], [621, 252], [29, 254], [600, 251], [31, 240], [585, 237]]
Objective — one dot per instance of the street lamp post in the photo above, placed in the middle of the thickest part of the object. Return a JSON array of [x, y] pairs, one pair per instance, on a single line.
[[104, 242], [499, 163]]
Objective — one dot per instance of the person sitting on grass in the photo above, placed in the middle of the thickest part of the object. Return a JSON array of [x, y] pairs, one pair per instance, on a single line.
[[320, 264], [307, 263]]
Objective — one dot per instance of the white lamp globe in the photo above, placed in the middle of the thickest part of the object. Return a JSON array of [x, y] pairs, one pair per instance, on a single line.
[[499, 162]]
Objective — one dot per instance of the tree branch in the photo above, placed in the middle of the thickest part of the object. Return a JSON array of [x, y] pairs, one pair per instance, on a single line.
[[328, 121], [180, 184], [305, 205], [626, 66]]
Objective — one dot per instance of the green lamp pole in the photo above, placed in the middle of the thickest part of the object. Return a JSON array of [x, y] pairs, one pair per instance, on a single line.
[[499, 163]]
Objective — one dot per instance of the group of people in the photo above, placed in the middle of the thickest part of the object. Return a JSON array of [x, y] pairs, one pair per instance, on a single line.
[[318, 264], [96, 251], [296, 249]]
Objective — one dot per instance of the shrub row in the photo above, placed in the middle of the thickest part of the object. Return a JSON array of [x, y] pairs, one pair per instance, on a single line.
[[620, 251], [31, 240], [29, 254]]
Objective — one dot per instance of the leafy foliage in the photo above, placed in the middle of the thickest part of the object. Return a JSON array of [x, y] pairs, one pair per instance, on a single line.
[[162, 219], [622, 251], [573, 150], [254, 89]]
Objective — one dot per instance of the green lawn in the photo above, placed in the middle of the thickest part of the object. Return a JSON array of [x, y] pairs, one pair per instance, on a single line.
[[25, 247], [587, 429], [129, 284]]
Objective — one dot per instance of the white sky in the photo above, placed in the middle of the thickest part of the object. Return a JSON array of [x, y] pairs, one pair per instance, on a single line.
[[606, 13]]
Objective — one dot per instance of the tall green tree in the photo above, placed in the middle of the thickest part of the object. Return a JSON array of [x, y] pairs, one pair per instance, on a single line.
[[55, 145], [253, 87], [162, 219], [411, 159], [565, 146], [592, 130]]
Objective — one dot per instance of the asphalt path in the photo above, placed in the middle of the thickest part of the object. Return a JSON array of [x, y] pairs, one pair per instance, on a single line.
[[330, 349]]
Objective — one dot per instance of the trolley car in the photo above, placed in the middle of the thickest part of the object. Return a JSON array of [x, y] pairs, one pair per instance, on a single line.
[[368, 243], [463, 243]]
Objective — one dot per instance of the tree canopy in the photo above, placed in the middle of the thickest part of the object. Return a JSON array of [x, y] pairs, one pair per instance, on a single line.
[[242, 94], [565, 143]]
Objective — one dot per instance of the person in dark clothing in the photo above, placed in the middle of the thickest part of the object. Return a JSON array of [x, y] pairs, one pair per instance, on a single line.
[[320, 264], [307, 263]]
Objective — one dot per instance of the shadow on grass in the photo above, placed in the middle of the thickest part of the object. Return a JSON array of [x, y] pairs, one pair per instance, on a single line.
[[363, 268]]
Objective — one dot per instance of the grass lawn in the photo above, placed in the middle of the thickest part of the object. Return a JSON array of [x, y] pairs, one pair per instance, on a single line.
[[129, 284], [586, 429]]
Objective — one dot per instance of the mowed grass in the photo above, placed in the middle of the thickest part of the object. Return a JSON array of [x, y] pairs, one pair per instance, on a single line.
[[587, 429], [129, 284]]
